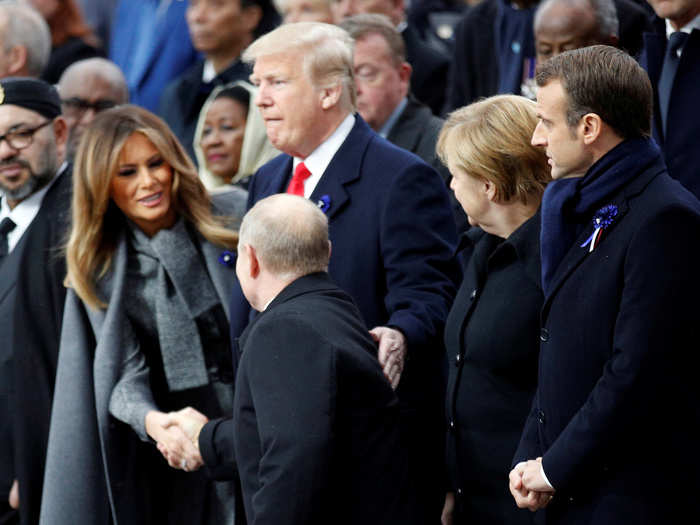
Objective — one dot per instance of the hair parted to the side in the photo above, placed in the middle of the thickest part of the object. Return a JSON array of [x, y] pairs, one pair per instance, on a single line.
[[606, 81], [289, 234], [96, 220], [490, 140], [325, 49], [365, 24]]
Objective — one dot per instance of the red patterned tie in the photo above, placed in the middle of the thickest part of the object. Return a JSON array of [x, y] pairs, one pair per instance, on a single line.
[[296, 185]]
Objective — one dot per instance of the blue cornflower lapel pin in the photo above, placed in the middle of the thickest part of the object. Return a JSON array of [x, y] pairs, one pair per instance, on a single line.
[[324, 203], [227, 258], [603, 218]]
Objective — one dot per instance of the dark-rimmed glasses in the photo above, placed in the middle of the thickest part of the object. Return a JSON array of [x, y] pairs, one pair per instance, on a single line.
[[76, 106], [23, 137]]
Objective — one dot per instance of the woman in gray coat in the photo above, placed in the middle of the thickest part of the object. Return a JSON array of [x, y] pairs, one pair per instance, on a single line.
[[145, 331]]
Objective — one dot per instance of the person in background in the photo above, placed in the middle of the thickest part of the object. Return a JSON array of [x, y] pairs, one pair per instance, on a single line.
[[151, 44], [220, 31], [86, 88], [672, 59], [150, 269], [71, 38], [25, 41], [99, 14], [35, 185], [430, 65], [230, 140], [491, 334], [305, 11]]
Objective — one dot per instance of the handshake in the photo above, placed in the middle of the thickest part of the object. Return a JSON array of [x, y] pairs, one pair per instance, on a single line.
[[177, 436], [529, 487]]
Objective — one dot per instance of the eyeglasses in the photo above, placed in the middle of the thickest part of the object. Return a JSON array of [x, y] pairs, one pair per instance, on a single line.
[[76, 106], [23, 137]]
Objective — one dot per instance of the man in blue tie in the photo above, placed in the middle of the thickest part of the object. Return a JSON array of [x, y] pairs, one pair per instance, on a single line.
[[672, 58]]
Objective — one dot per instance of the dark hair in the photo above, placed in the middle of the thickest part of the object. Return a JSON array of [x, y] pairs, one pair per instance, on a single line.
[[606, 81], [237, 93], [269, 18]]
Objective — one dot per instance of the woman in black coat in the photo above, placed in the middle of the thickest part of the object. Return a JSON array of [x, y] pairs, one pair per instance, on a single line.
[[492, 331]]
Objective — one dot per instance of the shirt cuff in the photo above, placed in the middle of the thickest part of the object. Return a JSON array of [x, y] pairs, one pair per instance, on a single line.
[[544, 476]]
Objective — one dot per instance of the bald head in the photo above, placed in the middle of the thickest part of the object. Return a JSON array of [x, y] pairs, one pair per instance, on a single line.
[[563, 25], [25, 41], [289, 234], [87, 87]]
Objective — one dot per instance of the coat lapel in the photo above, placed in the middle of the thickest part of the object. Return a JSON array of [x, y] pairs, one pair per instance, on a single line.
[[654, 49], [222, 274], [344, 168]]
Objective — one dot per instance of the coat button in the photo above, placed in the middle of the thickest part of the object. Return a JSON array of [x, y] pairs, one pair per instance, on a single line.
[[459, 492], [544, 335], [458, 359], [452, 424], [540, 417], [473, 294]]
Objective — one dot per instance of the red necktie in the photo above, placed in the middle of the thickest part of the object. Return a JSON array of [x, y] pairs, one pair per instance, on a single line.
[[296, 185]]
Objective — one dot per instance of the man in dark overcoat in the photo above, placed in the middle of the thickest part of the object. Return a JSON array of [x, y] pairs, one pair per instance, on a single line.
[[607, 441], [34, 213], [316, 423]]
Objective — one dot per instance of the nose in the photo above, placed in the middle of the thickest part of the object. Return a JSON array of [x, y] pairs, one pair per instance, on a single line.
[[539, 138], [210, 139], [195, 12], [261, 99], [146, 177], [6, 151]]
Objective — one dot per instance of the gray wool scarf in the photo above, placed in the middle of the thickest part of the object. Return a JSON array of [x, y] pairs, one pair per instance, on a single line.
[[175, 284]]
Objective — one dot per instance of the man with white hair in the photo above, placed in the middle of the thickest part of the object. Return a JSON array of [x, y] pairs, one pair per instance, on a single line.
[[390, 221], [303, 425], [25, 41]]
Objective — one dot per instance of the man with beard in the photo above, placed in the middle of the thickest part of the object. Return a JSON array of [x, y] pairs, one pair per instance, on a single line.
[[34, 208]]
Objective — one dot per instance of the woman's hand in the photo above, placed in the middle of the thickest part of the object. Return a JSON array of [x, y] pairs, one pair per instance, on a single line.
[[448, 509], [172, 442]]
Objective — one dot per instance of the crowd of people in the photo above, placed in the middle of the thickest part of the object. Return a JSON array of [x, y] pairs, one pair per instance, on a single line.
[[348, 261]]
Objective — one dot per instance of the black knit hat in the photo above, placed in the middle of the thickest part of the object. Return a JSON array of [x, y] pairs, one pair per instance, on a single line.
[[30, 93]]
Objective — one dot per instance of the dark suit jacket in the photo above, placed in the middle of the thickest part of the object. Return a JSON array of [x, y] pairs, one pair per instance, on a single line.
[[617, 352], [474, 67], [316, 424], [184, 97], [430, 69], [417, 131], [31, 308], [680, 145], [492, 378]]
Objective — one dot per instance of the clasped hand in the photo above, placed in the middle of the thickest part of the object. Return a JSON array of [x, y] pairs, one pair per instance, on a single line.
[[176, 436], [528, 486]]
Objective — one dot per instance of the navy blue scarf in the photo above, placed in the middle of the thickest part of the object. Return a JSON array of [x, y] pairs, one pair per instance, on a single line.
[[569, 204]]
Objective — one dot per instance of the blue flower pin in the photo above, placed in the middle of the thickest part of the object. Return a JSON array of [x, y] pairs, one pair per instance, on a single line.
[[603, 218], [227, 258], [324, 203]]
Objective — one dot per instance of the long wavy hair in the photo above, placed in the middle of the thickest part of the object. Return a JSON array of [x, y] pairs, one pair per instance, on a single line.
[[96, 220]]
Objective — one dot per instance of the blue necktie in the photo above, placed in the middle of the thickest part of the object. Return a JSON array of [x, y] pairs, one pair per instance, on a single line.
[[668, 73]]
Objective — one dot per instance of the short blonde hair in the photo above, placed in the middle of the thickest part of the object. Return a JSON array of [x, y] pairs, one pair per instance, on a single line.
[[326, 52], [490, 140], [96, 220]]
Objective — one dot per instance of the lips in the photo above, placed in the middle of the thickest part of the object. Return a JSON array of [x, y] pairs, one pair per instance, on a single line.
[[10, 171], [152, 200]]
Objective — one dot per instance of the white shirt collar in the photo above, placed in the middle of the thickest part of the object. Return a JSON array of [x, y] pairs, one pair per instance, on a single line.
[[24, 213], [321, 157], [208, 71], [688, 28]]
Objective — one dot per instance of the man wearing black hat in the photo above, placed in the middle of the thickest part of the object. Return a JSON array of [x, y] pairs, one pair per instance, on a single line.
[[35, 188]]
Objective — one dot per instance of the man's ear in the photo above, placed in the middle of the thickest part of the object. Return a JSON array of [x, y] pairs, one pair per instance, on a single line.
[[16, 61], [60, 131], [591, 126], [253, 261], [331, 95]]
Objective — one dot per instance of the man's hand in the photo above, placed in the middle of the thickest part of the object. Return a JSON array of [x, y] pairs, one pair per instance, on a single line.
[[191, 422], [13, 500], [532, 476], [172, 442], [391, 352], [526, 498], [448, 509]]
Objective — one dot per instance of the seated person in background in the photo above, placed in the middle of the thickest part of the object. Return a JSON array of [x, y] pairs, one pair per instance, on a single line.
[[491, 334], [220, 31], [305, 11], [86, 88], [145, 329], [230, 141], [71, 38]]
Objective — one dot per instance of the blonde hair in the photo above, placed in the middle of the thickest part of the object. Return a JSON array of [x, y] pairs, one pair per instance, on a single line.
[[490, 140], [326, 53], [96, 220]]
